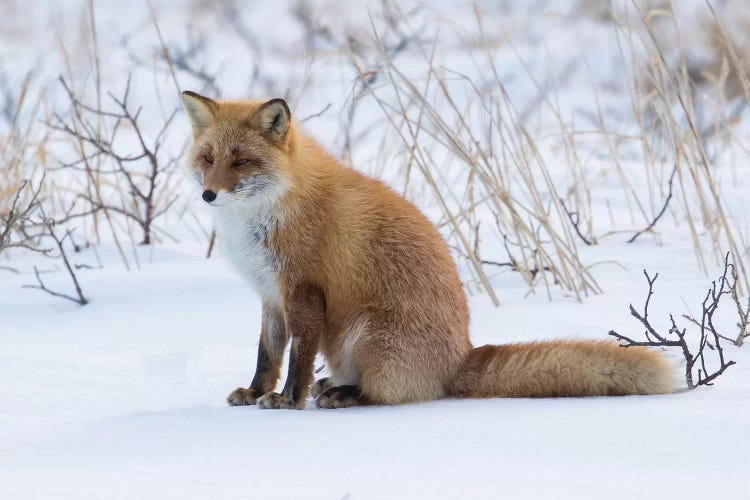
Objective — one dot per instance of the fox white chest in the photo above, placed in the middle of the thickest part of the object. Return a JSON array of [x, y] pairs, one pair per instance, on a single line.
[[243, 236]]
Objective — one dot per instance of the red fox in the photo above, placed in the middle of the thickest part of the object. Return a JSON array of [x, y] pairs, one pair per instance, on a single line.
[[347, 267]]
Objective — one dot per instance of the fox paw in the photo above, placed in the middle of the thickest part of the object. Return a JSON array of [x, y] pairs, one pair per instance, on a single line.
[[243, 397], [276, 401], [320, 386], [344, 396]]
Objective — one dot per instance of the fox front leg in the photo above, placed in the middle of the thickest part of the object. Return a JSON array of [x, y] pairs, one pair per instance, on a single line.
[[305, 321], [273, 340]]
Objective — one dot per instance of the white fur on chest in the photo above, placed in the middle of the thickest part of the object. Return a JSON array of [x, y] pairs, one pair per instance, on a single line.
[[243, 235]]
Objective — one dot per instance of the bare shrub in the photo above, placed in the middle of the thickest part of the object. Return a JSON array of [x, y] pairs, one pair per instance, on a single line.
[[25, 226], [697, 371], [135, 172]]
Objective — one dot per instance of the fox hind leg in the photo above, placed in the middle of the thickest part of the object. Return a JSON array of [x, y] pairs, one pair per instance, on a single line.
[[343, 396], [391, 376], [320, 386]]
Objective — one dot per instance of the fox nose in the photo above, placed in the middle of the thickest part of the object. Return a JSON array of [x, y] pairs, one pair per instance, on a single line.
[[209, 195]]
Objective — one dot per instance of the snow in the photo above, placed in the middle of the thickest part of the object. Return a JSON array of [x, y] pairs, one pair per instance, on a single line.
[[125, 397]]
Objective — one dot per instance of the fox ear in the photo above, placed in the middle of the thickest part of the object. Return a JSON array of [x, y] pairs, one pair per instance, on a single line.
[[201, 110], [273, 119]]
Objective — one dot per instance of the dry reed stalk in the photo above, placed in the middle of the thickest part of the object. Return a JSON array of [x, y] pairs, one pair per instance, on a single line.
[[503, 170]]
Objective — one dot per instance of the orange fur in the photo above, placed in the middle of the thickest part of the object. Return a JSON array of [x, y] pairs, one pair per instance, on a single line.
[[563, 368], [395, 318]]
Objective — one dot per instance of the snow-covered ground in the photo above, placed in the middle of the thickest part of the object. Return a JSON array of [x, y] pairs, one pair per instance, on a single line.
[[125, 397]]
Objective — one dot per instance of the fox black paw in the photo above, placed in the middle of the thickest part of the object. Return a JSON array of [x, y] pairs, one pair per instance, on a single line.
[[344, 396]]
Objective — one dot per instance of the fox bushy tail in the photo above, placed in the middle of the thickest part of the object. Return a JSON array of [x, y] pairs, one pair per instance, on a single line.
[[563, 369]]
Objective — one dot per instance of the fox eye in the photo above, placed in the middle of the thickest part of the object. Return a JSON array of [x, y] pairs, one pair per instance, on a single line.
[[239, 163], [209, 159]]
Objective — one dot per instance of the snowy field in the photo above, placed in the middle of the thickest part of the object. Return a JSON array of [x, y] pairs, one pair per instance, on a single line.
[[125, 397]]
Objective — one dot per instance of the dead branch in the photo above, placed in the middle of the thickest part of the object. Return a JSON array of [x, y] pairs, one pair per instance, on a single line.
[[727, 286], [528, 272], [661, 212], [575, 221], [513, 263], [709, 336], [79, 298]]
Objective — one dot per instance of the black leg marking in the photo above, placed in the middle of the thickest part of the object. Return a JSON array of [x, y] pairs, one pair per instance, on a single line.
[[295, 389], [262, 369], [292, 385], [260, 383], [273, 340]]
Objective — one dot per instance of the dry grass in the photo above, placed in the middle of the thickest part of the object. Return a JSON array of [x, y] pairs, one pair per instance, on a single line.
[[21, 150], [467, 142], [681, 127], [461, 140], [471, 147], [22, 156]]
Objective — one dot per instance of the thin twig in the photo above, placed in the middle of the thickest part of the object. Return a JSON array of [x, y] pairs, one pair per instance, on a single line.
[[661, 212], [575, 221], [79, 298]]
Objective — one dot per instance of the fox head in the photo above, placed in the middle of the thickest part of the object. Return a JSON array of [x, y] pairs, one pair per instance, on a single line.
[[241, 150]]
